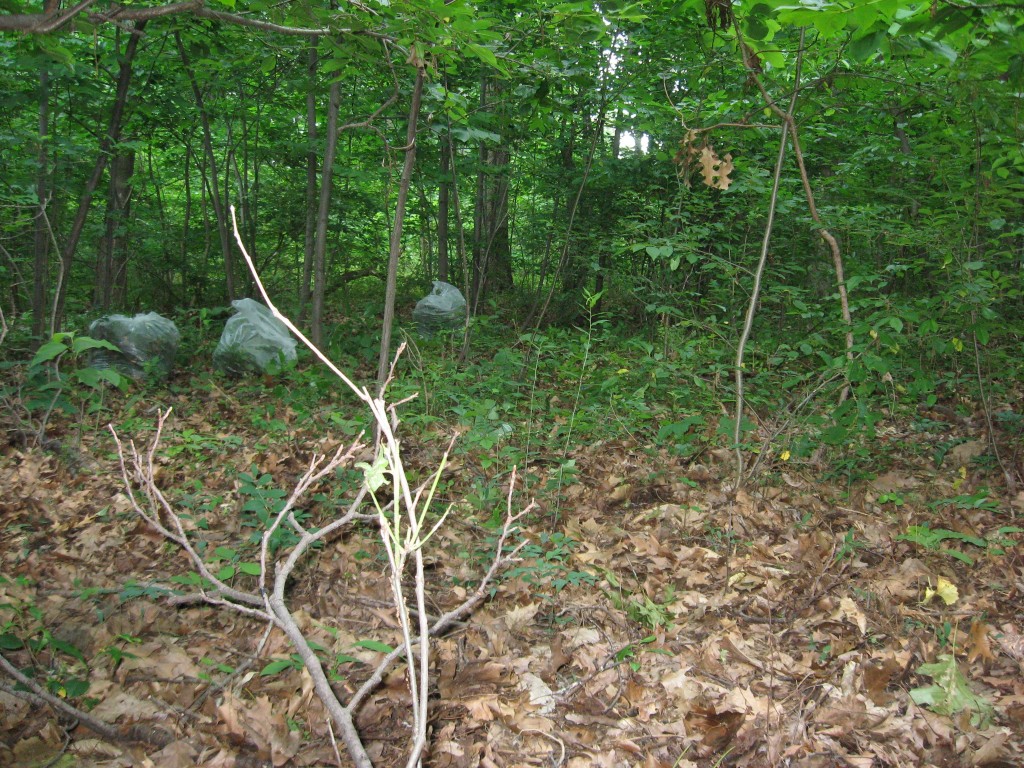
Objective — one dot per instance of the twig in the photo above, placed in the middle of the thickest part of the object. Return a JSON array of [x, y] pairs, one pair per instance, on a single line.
[[1008, 476], [39, 695], [748, 323]]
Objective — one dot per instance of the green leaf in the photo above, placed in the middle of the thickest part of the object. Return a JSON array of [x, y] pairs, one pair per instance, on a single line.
[[82, 344], [249, 569], [374, 645], [67, 648], [276, 667], [866, 46], [485, 54], [939, 49], [950, 693], [375, 476], [755, 28], [49, 351], [94, 377], [73, 687]]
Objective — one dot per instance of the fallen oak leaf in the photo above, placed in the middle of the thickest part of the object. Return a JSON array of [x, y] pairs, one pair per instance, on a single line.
[[978, 646]]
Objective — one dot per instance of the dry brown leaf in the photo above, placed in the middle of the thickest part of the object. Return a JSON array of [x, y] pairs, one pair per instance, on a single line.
[[521, 617], [877, 675], [177, 754], [1011, 641], [559, 656], [992, 752], [717, 729], [620, 494], [542, 698], [977, 643], [850, 611]]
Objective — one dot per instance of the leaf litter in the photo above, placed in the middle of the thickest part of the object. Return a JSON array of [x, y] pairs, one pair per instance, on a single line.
[[659, 621]]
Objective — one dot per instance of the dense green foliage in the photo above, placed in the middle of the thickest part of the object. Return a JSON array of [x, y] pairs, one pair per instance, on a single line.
[[562, 133]]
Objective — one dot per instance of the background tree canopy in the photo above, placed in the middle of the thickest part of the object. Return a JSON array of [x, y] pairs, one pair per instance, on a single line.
[[129, 130]]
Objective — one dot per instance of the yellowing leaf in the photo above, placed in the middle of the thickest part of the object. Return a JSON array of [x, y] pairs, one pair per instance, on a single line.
[[737, 578], [944, 589]]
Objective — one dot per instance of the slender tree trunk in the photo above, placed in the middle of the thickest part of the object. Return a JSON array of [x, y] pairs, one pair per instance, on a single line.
[[171, 297], [322, 216], [223, 228], [186, 231], [478, 257], [111, 260], [427, 232], [492, 256], [443, 196], [566, 160], [41, 233], [113, 135], [205, 193], [536, 319], [812, 208], [246, 173], [395, 248], [309, 242], [604, 259]]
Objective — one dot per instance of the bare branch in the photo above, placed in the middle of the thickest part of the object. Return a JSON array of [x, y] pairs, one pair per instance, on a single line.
[[499, 561], [44, 23], [39, 695]]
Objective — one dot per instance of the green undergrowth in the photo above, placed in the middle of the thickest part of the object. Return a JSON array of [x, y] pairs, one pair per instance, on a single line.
[[542, 397]]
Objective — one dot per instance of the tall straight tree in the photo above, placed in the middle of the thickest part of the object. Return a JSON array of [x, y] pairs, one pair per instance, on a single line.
[[41, 229], [107, 144], [219, 207], [309, 240], [323, 215], [492, 250], [443, 198], [112, 256], [395, 244]]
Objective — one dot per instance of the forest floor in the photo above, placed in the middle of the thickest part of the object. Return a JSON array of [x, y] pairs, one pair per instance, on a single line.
[[656, 618]]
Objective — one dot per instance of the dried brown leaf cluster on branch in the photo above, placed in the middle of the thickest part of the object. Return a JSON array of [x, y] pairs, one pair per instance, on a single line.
[[697, 155]]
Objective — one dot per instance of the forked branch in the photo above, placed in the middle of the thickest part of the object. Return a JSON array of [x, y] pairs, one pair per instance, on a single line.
[[267, 601]]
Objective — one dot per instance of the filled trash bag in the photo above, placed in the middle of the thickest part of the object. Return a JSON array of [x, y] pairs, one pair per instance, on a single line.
[[254, 341], [444, 307], [147, 343]]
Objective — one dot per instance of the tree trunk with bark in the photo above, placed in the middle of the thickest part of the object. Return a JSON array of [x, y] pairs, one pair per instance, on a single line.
[[443, 197], [107, 144], [309, 241], [492, 254], [219, 207], [322, 216], [41, 229], [112, 259], [395, 247]]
